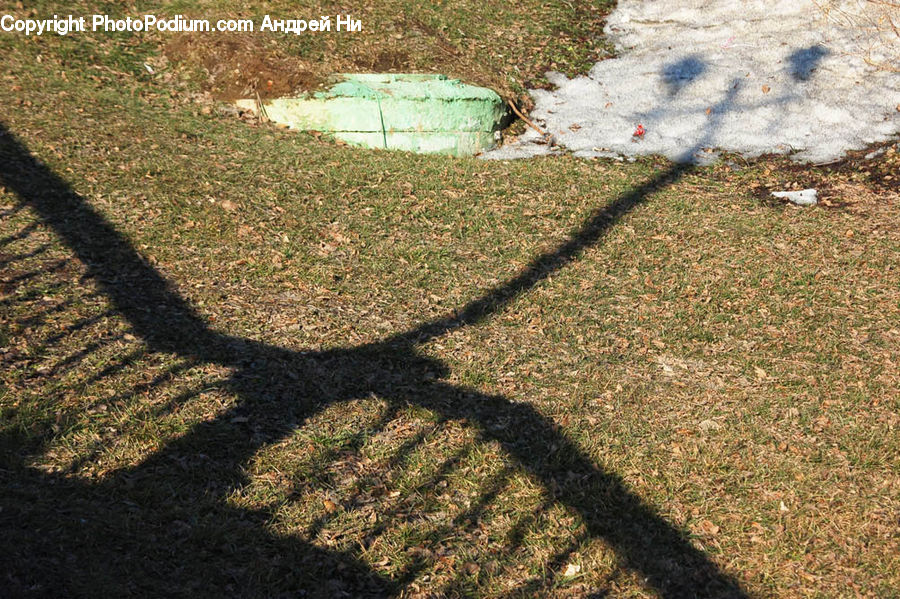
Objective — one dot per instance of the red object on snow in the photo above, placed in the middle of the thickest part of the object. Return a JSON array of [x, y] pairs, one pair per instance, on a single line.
[[639, 131]]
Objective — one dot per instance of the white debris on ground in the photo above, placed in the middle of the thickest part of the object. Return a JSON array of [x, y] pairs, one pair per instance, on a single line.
[[805, 197], [745, 76]]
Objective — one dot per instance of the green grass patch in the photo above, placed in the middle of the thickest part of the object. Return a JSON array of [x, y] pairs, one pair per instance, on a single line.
[[706, 391]]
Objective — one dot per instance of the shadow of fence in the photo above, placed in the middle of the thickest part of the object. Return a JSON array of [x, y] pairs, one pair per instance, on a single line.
[[143, 529]]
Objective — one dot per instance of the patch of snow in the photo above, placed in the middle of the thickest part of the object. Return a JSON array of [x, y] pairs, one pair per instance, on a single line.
[[746, 76]]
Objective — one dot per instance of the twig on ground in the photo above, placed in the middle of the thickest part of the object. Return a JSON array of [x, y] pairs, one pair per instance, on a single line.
[[526, 119], [261, 110]]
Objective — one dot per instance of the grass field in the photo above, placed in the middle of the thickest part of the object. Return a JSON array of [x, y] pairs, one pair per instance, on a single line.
[[241, 361]]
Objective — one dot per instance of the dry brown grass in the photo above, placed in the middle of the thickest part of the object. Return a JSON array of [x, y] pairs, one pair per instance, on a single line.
[[505, 46], [712, 381], [875, 25]]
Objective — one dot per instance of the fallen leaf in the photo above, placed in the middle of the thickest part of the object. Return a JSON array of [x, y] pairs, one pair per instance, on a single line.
[[330, 506], [766, 89], [708, 528], [709, 425], [229, 205]]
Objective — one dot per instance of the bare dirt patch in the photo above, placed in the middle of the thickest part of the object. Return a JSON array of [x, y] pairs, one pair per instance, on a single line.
[[859, 178], [241, 67]]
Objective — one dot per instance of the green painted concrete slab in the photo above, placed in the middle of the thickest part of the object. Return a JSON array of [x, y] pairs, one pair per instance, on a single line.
[[418, 113]]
